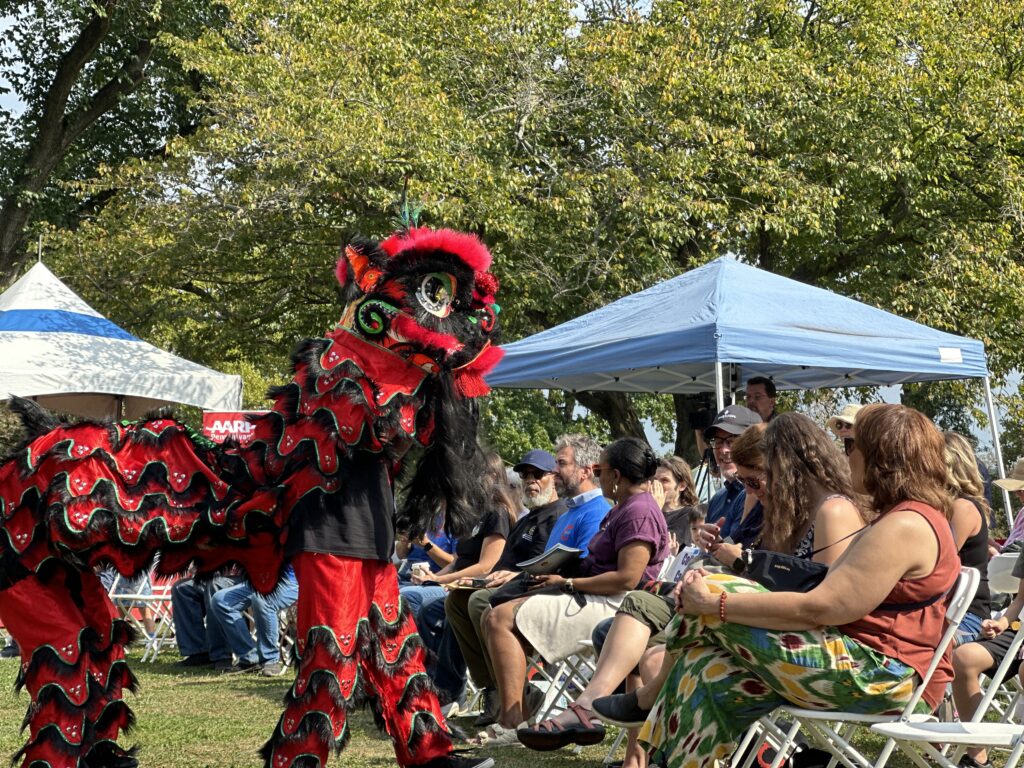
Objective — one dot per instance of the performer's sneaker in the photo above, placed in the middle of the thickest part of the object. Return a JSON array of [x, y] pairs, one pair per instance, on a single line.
[[457, 759]]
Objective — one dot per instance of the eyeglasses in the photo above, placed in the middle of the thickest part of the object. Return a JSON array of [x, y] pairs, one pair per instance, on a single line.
[[598, 469], [722, 442], [753, 483], [533, 474], [848, 445]]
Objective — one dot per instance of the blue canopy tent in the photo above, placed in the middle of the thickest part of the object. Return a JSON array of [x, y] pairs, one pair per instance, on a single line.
[[714, 327]]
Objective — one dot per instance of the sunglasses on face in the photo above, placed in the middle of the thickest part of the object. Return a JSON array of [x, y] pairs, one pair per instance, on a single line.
[[533, 474], [848, 445], [753, 483], [721, 442]]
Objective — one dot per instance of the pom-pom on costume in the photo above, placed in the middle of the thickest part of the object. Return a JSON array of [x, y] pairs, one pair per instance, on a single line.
[[314, 485]]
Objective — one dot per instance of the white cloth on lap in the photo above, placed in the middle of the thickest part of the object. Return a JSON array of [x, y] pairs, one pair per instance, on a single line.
[[557, 626]]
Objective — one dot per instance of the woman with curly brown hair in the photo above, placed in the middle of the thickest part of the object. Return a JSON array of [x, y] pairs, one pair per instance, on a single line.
[[857, 642], [802, 482]]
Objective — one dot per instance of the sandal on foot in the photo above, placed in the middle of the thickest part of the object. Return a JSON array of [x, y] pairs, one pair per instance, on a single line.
[[620, 709], [550, 734]]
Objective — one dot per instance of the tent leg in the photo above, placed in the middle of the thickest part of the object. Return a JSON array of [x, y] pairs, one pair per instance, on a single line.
[[994, 426], [719, 387]]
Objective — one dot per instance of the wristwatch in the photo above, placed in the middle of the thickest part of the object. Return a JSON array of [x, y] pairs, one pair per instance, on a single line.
[[568, 586], [428, 546], [739, 565]]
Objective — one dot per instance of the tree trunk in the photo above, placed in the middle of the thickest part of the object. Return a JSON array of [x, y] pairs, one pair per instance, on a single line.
[[57, 130], [686, 438], [617, 409]]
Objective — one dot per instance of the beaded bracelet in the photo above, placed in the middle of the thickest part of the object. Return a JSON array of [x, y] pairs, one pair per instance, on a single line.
[[721, 606]]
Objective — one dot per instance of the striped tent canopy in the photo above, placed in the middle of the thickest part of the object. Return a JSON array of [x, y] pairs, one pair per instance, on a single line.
[[59, 351]]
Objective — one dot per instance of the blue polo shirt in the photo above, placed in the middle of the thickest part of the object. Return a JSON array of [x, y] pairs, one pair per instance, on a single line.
[[580, 521], [727, 503]]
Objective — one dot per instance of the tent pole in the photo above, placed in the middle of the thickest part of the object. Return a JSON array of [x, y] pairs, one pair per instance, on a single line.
[[719, 387], [994, 426]]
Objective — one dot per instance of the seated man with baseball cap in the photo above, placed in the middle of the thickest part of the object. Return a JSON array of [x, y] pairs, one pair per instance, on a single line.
[[726, 508], [451, 626]]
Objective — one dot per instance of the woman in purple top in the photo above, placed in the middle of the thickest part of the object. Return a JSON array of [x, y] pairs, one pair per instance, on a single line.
[[629, 549]]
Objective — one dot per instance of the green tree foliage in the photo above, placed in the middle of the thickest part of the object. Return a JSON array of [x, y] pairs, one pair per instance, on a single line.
[[860, 145], [88, 85]]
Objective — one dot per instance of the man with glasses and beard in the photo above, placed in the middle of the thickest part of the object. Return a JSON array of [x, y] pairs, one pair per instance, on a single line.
[[461, 634], [575, 457], [725, 510]]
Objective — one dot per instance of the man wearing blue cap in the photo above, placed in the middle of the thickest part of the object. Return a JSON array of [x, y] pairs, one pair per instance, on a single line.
[[529, 537]]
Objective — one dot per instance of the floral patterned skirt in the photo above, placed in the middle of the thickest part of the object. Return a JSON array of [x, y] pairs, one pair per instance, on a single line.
[[726, 676]]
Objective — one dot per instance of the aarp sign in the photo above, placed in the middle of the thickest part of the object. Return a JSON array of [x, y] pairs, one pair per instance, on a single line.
[[220, 425]]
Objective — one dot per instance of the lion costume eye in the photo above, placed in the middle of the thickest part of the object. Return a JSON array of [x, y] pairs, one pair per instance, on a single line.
[[436, 293]]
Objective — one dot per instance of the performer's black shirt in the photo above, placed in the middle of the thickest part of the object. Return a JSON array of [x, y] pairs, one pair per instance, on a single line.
[[356, 521]]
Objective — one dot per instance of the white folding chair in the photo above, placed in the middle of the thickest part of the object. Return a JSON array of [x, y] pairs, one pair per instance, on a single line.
[[826, 727], [992, 698], [158, 600], [1000, 573], [922, 742]]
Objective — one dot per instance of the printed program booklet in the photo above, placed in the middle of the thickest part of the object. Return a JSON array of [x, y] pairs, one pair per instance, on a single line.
[[550, 561]]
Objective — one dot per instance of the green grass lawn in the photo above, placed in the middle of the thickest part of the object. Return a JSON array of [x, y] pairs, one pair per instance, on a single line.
[[196, 719]]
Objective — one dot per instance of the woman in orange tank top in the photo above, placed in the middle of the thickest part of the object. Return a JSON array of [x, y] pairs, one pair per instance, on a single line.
[[737, 651]]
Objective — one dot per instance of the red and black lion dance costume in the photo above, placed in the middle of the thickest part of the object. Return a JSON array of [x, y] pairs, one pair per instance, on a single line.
[[314, 486]]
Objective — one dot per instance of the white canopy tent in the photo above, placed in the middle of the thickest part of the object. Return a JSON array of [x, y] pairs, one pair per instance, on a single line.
[[59, 351]]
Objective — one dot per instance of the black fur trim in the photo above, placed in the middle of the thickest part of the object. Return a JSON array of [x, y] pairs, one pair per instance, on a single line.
[[51, 734], [447, 474], [423, 724], [35, 419], [418, 685], [113, 713], [324, 638], [107, 754], [316, 724], [321, 679], [380, 631]]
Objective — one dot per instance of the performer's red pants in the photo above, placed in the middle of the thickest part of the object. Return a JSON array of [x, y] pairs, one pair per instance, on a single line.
[[72, 651], [354, 642]]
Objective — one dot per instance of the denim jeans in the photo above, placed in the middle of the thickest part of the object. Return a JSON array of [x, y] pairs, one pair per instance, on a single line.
[[417, 595], [190, 604], [227, 606], [445, 666]]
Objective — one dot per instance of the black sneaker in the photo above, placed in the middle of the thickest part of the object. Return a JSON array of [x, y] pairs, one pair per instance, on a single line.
[[241, 668], [457, 759], [969, 762], [620, 709], [195, 660], [10, 651]]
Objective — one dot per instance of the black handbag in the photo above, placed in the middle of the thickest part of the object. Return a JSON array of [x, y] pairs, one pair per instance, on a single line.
[[777, 572]]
